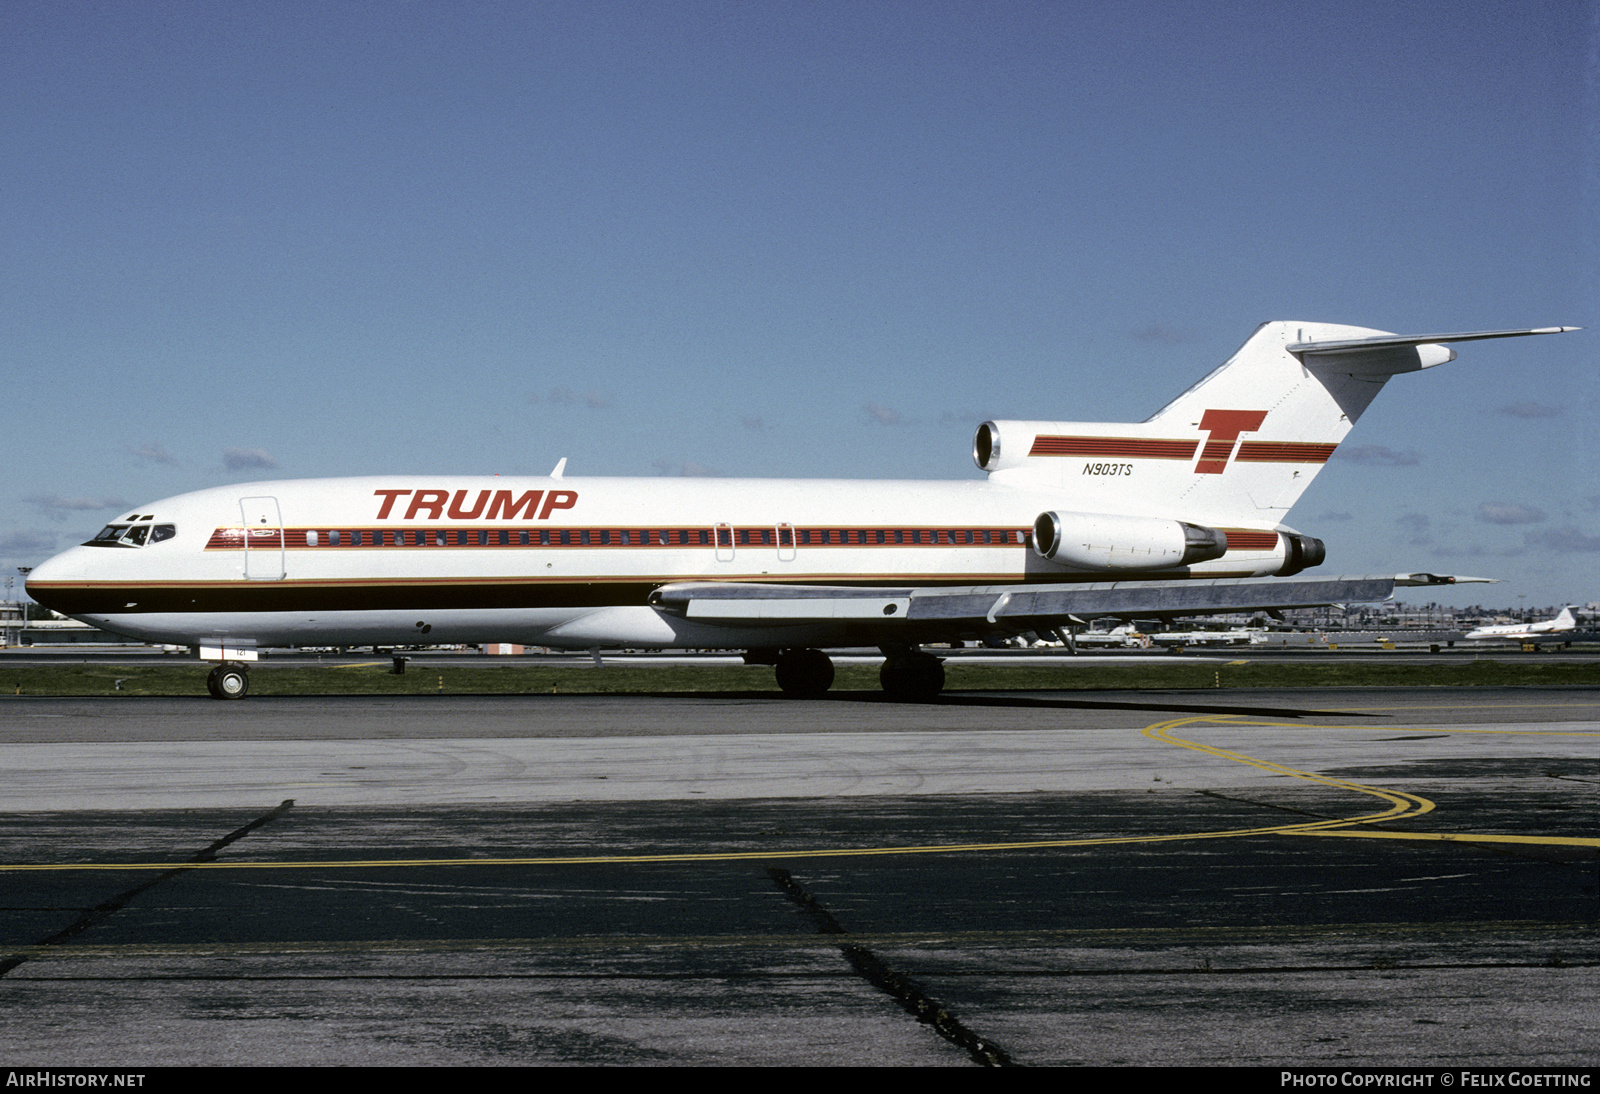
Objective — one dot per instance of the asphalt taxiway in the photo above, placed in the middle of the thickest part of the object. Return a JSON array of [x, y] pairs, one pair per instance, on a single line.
[[1319, 877]]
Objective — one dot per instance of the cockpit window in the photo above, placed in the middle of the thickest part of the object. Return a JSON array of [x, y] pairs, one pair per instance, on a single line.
[[132, 535]]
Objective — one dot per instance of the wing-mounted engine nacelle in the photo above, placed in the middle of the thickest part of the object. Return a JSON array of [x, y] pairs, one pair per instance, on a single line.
[[1106, 541]]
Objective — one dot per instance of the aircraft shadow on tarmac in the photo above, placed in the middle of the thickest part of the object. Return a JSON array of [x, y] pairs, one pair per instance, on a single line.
[[949, 699]]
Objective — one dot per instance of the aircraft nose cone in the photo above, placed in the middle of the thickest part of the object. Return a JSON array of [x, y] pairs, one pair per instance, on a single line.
[[45, 578]]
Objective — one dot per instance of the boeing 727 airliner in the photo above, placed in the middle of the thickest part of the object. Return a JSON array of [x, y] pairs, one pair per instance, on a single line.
[[1181, 514]]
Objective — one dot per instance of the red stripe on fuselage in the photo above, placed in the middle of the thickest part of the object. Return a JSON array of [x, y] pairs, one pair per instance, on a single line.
[[1127, 448], [784, 537], [1215, 455], [1283, 452]]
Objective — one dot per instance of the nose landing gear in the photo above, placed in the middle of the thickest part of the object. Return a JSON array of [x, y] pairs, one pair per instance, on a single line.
[[228, 681]]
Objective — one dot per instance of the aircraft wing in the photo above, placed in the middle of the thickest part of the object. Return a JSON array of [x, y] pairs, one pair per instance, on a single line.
[[925, 612]]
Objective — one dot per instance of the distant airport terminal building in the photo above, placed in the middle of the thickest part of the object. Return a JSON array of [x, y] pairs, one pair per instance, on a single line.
[[27, 624]]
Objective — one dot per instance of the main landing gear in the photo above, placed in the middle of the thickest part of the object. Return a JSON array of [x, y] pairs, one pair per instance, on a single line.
[[804, 674], [908, 675], [228, 681], [912, 676]]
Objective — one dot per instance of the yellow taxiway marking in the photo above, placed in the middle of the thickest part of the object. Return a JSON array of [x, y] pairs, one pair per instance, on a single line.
[[1399, 800], [1471, 837], [1575, 704], [1401, 805]]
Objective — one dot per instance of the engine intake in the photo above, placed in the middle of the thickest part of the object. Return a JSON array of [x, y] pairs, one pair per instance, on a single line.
[[986, 446]]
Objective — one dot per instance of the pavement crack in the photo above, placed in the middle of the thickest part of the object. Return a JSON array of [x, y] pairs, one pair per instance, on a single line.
[[1267, 805], [107, 908], [911, 996]]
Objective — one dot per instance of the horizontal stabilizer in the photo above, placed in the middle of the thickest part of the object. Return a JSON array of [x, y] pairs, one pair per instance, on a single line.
[[1386, 355], [1396, 340]]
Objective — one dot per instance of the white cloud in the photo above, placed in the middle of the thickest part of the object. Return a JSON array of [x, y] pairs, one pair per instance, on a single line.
[[57, 507], [565, 396], [1377, 455], [1567, 540], [25, 542], [1161, 334], [1492, 512], [1418, 528], [153, 452], [1530, 410], [240, 459], [687, 469]]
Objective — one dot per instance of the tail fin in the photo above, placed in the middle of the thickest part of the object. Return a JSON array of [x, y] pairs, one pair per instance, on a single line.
[[1240, 445]]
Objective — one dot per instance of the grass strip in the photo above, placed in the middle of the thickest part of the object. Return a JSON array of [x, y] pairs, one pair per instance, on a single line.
[[533, 678]]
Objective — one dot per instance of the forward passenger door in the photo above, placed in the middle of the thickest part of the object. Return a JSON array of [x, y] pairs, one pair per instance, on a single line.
[[263, 539]]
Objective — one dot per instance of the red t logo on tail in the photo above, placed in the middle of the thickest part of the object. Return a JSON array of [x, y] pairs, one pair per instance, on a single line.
[[1222, 433]]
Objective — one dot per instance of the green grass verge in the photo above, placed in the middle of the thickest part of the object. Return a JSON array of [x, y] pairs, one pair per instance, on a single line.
[[535, 679]]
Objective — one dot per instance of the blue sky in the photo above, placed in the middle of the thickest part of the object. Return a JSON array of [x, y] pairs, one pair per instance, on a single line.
[[246, 241]]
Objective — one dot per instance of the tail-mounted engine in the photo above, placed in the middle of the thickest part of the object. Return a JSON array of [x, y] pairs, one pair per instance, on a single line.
[[1300, 553], [1106, 541]]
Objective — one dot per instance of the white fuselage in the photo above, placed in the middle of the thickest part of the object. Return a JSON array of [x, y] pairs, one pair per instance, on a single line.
[[1197, 490], [564, 562]]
